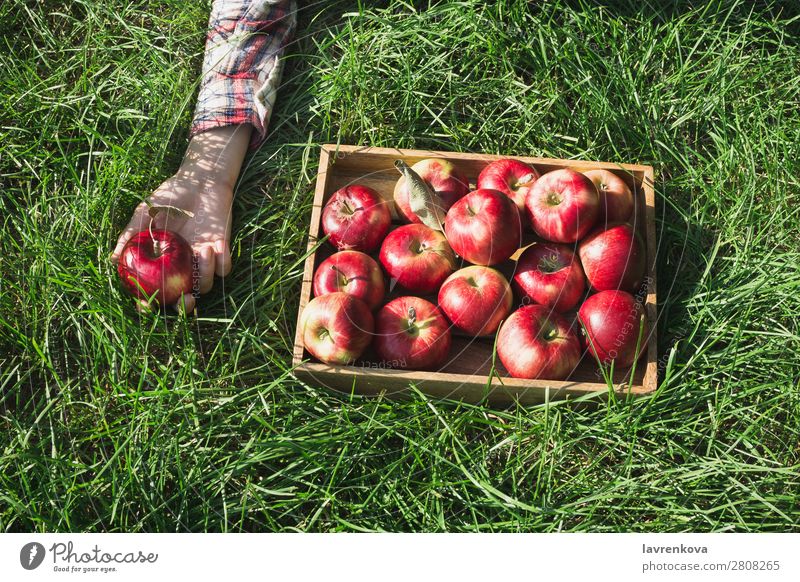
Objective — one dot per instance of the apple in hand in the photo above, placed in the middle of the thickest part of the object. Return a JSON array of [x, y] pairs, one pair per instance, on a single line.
[[563, 205], [442, 176], [616, 199], [611, 321], [411, 332], [613, 258], [336, 327], [535, 342], [157, 264], [352, 272], [511, 177], [484, 227], [417, 257], [356, 218], [551, 275], [476, 299]]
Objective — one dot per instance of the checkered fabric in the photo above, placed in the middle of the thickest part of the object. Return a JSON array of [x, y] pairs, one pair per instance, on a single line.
[[242, 64]]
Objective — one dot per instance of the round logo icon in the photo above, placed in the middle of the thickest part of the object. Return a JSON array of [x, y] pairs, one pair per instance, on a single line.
[[31, 555]]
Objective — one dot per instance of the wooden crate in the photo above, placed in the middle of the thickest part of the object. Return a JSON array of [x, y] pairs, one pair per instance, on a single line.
[[466, 375]]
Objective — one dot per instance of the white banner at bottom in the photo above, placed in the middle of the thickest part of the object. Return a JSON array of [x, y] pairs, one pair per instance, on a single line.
[[401, 557]]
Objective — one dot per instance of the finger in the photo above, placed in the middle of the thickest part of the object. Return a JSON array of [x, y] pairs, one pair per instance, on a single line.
[[205, 268], [223, 256], [185, 304], [136, 224]]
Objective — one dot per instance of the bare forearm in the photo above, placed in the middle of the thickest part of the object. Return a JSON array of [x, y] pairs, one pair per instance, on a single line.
[[216, 155]]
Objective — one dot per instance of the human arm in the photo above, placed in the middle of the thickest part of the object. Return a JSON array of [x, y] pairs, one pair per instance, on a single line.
[[241, 73]]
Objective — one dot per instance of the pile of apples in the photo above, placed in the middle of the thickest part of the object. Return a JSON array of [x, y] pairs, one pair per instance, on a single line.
[[574, 286]]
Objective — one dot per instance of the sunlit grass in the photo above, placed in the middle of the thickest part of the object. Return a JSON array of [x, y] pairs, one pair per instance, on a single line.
[[112, 420]]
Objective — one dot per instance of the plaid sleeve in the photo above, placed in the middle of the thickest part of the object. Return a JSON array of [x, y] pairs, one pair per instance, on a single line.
[[242, 65]]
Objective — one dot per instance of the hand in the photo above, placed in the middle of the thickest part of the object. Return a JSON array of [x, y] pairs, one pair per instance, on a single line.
[[203, 186], [208, 232]]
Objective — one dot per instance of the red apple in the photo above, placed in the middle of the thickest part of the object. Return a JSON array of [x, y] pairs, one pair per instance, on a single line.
[[356, 218], [476, 299], [535, 342], [563, 205], [418, 258], [336, 327], [511, 177], [613, 258], [442, 176], [551, 275], [611, 322], [484, 227], [616, 199], [159, 265], [411, 333], [352, 272]]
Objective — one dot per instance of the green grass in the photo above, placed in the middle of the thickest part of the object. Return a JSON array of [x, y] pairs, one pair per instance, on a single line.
[[111, 420]]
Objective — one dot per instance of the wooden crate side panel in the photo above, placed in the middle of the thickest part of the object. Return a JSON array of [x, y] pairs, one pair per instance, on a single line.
[[650, 380], [313, 236], [397, 383]]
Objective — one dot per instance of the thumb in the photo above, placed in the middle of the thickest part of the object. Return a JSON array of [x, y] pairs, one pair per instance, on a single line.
[[138, 222]]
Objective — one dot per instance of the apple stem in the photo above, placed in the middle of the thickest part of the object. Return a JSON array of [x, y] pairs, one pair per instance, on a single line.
[[549, 264], [412, 316], [156, 245], [550, 334], [338, 270]]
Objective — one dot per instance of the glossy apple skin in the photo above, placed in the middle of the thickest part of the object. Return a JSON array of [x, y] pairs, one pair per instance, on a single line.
[[616, 199], [476, 299], [613, 257], [442, 176], [418, 258], [352, 272], [511, 177], [563, 206], [356, 218], [423, 344], [550, 274], [337, 327], [165, 269], [611, 322], [535, 342], [484, 227]]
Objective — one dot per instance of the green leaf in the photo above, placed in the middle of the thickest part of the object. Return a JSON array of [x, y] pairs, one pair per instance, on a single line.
[[424, 201], [171, 211]]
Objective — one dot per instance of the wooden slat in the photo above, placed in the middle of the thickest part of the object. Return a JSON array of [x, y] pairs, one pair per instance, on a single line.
[[650, 381], [313, 236], [374, 381]]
